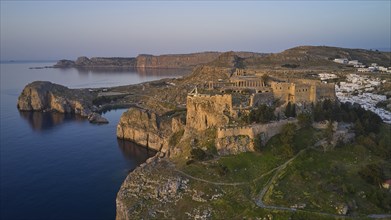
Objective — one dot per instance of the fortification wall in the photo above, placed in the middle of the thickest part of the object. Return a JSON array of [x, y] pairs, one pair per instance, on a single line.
[[269, 129], [223, 132], [302, 93], [304, 81], [282, 90], [204, 111], [241, 139]]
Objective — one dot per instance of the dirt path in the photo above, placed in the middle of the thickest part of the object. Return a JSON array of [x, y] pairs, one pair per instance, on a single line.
[[259, 201]]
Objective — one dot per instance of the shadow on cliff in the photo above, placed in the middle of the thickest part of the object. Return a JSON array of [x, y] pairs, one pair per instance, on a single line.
[[42, 121], [134, 152]]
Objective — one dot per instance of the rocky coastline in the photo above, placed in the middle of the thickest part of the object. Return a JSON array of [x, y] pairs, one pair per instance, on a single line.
[[158, 119]]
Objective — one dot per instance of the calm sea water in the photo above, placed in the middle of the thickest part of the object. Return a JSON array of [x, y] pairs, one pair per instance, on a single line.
[[55, 166]]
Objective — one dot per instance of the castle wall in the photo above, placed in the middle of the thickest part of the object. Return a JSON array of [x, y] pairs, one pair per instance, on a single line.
[[269, 130], [302, 93], [307, 91], [283, 91], [241, 139]]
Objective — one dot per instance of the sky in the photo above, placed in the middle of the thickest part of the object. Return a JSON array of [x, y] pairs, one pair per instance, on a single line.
[[42, 30]]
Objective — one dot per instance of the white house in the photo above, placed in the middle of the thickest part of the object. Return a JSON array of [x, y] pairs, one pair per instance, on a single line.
[[341, 60]]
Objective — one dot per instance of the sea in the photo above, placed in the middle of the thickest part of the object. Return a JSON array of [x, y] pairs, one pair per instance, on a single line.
[[56, 166]]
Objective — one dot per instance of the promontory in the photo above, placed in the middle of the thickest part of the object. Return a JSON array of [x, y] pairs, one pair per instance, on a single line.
[[248, 135]]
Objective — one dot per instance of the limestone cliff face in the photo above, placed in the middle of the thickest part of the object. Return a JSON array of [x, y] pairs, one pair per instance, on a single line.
[[147, 128], [47, 96], [175, 60], [152, 191], [149, 61], [205, 111]]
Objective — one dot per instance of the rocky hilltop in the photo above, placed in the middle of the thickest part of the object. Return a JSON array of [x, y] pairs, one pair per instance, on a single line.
[[312, 56], [47, 96], [97, 62]]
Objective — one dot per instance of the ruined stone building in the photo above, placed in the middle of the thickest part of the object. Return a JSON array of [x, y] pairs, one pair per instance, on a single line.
[[238, 95], [292, 90]]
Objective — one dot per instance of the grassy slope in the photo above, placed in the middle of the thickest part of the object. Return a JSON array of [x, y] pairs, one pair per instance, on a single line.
[[319, 179]]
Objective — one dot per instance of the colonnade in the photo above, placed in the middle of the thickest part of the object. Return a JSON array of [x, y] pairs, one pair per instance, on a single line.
[[249, 84]]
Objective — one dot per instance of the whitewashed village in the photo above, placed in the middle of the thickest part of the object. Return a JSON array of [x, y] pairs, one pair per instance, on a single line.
[[360, 88]]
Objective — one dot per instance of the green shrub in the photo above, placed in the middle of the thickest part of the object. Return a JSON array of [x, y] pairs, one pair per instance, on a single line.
[[198, 154], [304, 120], [175, 138], [261, 114]]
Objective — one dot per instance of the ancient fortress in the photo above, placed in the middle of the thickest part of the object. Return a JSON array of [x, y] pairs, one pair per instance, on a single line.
[[287, 90], [224, 101]]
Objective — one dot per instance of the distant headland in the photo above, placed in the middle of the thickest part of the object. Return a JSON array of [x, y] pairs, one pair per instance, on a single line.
[[148, 61]]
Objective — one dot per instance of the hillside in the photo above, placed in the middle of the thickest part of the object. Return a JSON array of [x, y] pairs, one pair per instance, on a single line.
[[313, 56], [302, 57]]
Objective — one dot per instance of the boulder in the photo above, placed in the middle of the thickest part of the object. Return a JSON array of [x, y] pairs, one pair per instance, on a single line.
[[97, 119], [145, 128], [47, 96]]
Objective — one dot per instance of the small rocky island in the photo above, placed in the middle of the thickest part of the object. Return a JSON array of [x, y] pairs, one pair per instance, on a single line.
[[244, 136], [47, 96]]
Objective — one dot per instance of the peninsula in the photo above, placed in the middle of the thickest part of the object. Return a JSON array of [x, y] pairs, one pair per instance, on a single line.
[[246, 135]]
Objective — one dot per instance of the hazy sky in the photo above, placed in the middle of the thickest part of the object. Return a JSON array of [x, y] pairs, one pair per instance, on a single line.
[[52, 30]]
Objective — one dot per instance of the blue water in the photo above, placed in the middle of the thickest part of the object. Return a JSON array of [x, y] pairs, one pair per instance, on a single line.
[[56, 166]]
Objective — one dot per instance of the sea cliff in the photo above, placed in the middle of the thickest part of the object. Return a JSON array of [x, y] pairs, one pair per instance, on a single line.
[[47, 96], [206, 166], [148, 129], [148, 61]]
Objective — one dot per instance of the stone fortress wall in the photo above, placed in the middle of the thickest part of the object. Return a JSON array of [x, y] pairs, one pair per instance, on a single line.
[[205, 111], [269, 129], [227, 141], [292, 90]]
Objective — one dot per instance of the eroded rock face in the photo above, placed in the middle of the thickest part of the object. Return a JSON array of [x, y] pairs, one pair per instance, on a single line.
[[205, 111], [150, 190], [175, 60], [234, 145], [145, 128], [47, 96]]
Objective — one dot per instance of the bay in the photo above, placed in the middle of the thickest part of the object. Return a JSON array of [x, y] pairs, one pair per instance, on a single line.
[[56, 166]]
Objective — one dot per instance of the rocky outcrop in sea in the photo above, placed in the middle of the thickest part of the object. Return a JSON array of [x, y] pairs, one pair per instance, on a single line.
[[46, 96]]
